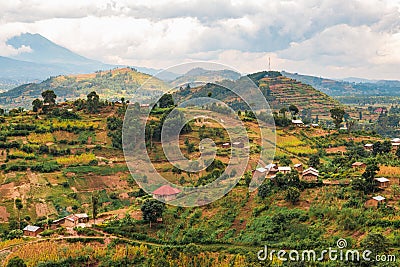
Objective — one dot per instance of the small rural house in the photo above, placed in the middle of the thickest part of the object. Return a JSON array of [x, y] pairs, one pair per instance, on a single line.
[[378, 200], [369, 147], [284, 169], [298, 123], [358, 165], [226, 145], [395, 146], [382, 182], [310, 175], [71, 220], [166, 192], [261, 170], [31, 230]]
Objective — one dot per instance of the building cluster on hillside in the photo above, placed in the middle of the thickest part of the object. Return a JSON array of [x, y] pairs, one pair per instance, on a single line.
[[70, 221], [310, 174]]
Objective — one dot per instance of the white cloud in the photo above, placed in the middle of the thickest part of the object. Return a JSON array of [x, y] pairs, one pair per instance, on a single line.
[[318, 37]]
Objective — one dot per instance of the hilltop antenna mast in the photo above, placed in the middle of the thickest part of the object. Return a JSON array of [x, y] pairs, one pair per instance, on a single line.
[[269, 63]]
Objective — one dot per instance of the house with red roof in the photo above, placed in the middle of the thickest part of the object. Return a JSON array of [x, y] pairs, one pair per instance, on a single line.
[[166, 192]]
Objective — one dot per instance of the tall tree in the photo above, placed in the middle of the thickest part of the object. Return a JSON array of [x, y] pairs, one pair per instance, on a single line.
[[337, 115], [95, 205], [283, 112], [49, 97], [37, 104], [292, 195], [152, 209], [314, 161], [166, 101], [19, 206], [294, 110], [367, 182], [49, 100], [93, 102]]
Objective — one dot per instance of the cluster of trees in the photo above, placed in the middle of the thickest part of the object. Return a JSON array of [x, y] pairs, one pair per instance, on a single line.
[[92, 104]]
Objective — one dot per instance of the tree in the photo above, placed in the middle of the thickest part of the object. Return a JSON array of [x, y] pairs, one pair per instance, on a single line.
[[247, 177], [49, 97], [398, 152], [294, 110], [283, 112], [166, 101], [350, 125], [16, 262], [386, 147], [314, 161], [37, 104], [264, 190], [285, 161], [93, 102], [292, 195], [19, 206], [337, 115], [367, 183], [152, 209], [95, 204], [376, 243]]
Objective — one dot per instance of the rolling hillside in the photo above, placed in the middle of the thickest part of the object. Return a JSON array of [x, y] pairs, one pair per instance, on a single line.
[[111, 85]]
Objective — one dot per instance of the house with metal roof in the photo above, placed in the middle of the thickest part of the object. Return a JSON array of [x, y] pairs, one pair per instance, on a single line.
[[31, 230], [382, 182]]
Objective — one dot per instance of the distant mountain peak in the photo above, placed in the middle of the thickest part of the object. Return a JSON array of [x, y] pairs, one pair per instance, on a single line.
[[45, 51]]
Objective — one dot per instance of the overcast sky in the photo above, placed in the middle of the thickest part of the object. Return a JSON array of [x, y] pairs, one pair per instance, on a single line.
[[331, 38]]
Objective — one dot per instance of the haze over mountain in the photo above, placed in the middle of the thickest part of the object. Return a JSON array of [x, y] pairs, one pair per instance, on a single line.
[[349, 86], [42, 58], [200, 75]]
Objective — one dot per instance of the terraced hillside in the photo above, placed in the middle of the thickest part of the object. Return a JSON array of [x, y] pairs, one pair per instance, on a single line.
[[280, 92], [111, 85]]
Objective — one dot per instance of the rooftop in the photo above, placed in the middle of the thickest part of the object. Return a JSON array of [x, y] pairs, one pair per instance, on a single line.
[[166, 190], [261, 169], [297, 121], [379, 198], [311, 169], [31, 228], [382, 179]]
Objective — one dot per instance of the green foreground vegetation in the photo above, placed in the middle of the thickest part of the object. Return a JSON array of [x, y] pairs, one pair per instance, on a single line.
[[61, 159]]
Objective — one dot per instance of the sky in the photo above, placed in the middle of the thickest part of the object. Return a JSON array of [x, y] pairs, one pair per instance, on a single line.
[[331, 38]]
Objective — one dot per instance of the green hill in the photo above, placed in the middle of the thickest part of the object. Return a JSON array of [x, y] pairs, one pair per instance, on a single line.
[[111, 85]]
